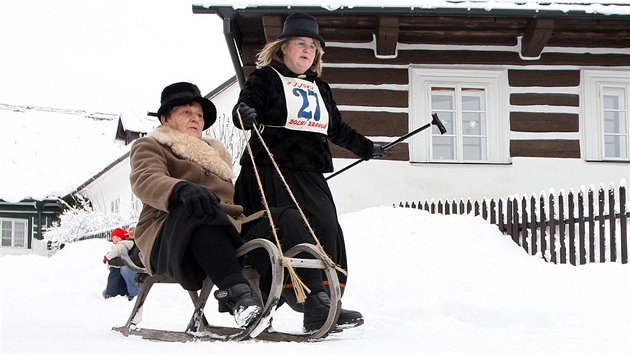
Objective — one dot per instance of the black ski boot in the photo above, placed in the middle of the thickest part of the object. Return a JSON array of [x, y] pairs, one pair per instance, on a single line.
[[316, 308], [240, 301]]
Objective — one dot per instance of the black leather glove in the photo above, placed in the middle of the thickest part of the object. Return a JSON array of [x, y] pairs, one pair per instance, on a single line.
[[379, 151], [248, 115], [197, 199]]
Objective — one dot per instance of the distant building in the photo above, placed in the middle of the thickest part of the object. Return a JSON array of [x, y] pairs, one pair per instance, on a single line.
[[47, 155]]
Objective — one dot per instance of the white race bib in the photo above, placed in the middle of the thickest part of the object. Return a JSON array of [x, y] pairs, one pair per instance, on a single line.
[[305, 107]]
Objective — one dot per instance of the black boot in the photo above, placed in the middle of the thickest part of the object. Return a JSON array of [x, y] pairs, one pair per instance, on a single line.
[[241, 301], [316, 308]]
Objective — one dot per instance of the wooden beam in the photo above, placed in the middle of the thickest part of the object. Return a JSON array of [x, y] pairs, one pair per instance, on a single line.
[[536, 37], [387, 35], [535, 122], [355, 76], [398, 152], [544, 78], [339, 55], [272, 26], [373, 98], [378, 123], [545, 99], [569, 149]]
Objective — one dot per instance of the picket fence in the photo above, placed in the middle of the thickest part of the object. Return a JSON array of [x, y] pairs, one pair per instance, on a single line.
[[590, 226]]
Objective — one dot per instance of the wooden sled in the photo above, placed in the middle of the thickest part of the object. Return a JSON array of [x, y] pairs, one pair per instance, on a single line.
[[199, 329]]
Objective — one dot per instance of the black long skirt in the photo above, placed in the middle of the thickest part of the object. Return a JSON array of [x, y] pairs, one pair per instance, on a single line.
[[169, 255]]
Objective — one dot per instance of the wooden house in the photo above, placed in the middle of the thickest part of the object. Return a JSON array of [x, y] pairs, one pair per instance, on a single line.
[[534, 95], [23, 224]]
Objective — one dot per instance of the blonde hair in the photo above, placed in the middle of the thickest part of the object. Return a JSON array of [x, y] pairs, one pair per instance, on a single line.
[[273, 51]]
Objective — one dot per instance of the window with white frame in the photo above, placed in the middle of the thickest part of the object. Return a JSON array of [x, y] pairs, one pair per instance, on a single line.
[[615, 116], [115, 206], [14, 233], [472, 106], [606, 118]]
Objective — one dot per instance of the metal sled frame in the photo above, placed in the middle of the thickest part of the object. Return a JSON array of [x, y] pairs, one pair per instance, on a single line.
[[199, 329]]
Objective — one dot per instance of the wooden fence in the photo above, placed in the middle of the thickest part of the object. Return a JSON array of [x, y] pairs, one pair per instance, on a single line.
[[590, 227]]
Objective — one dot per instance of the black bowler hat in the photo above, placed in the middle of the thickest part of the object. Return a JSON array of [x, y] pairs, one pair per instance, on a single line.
[[299, 24], [181, 93]]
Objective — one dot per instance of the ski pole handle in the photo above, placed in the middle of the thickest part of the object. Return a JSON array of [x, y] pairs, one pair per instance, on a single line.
[[438, 123]]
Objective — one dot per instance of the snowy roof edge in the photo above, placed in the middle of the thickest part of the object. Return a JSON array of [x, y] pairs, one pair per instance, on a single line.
[[122, 158], [445, 7]]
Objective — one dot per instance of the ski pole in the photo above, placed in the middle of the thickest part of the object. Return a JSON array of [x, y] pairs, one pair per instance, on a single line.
[[436, 121]]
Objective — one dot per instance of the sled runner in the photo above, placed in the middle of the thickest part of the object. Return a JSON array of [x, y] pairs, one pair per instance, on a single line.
[[199, 329]]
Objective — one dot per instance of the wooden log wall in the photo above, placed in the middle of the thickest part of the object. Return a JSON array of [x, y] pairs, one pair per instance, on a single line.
[[378, 105], [537, 122]]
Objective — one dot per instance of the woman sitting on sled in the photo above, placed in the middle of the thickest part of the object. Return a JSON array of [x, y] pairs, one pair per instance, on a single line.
[[189, 226]]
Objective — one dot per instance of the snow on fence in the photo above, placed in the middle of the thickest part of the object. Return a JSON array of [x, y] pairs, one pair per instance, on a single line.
[[588, 227]]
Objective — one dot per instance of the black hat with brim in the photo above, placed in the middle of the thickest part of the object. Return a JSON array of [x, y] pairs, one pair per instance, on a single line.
[[299, 24], [182, 93]]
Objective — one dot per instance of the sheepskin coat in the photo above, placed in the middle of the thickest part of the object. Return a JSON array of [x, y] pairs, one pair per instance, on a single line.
[[166, 157]]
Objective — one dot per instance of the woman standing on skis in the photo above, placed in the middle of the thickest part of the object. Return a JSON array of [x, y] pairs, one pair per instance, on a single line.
[[286, 97]]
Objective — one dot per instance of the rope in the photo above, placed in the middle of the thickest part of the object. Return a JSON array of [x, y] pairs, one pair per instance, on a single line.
[[328, 260], [299, 287]]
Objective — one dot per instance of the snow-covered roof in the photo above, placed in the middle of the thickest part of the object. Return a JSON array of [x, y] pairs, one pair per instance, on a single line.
[[48, 153], [138, 122], [602, 7]]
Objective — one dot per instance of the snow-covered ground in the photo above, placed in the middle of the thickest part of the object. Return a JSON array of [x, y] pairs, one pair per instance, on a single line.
[[425, 284]]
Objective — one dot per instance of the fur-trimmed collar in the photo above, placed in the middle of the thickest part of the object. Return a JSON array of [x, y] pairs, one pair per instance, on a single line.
[[209, 153]]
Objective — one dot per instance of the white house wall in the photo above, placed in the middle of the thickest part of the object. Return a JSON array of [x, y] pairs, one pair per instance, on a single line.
[[375, 183], [113, 184]]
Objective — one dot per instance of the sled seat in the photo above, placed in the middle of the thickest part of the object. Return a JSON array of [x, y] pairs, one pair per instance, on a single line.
[[200, 329]]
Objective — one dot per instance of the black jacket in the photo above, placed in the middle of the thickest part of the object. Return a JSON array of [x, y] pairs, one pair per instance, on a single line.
[[295, 149]]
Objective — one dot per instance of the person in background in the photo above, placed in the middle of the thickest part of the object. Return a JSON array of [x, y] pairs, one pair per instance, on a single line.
[[134, 254], [132, 231], [295, 110], [116, 284]]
